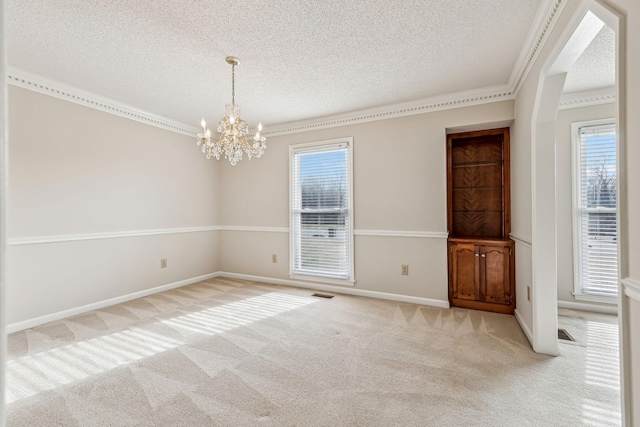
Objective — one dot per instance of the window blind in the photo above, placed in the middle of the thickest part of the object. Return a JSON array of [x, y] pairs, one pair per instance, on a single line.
[[321, 203], [597, 210]]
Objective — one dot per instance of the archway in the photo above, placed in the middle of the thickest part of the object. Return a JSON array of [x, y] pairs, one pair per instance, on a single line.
[[586, 22]]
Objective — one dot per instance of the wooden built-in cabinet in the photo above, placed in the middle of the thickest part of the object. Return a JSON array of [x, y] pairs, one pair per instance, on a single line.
[[481, 255], [481, 274]]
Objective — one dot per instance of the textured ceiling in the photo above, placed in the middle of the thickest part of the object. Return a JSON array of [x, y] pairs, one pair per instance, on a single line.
[[298, 59], [596, 67]]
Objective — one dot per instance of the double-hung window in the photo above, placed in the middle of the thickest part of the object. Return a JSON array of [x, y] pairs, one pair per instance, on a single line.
[[595, 210], [321, 210]]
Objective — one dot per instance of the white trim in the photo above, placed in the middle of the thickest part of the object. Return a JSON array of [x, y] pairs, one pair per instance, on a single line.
[[631, 288], [545, 21], [339, 290], [401, 233], [588, 307], [256, 229], [31, 323], [4, 185], [576, 205], [323, 279], [37, 240], [522, 240], [410, 108], [587, 98], [60, 90], [377, 233], [596, 298], [338, 143], [523, 326]]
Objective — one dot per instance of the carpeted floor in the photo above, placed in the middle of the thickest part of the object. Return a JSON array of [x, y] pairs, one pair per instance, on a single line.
[[233, 353]]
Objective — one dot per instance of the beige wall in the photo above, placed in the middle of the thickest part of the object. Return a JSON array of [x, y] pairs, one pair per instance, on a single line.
[[78, 171], [564, 192], [399, 185]]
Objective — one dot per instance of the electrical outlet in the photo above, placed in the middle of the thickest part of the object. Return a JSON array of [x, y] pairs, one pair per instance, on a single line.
[[405, 270], [274, 258], [163, 263], [528, 293]]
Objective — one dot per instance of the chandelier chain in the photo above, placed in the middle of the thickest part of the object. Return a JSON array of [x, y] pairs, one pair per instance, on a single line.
[[233, 84]]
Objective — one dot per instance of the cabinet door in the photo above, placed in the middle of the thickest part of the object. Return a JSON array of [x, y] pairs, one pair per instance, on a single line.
[[464, 272], [495, 286]]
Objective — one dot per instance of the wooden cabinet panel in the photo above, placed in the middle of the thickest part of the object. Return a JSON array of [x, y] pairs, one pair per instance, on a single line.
[[495, 274], [488, 175], [481, 148], [477, 199], [465, 272], [477, 224]]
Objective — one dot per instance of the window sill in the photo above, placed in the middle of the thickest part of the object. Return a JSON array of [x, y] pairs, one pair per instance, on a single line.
[[602, 299], [321, 279]]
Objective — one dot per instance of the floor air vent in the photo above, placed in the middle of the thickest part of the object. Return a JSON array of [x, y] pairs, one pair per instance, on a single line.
[[322, 296], [564, 335]]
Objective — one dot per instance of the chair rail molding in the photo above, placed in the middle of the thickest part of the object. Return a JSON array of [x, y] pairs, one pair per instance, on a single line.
[[38, 240], [522, 240], [631, 288], [256, 229], [401, 233]]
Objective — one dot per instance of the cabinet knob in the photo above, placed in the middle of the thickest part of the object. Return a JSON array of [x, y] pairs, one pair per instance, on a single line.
[[477, 255], [482, 255]]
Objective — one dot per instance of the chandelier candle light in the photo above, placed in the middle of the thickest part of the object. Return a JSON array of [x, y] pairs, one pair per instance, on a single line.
[[233, 130]]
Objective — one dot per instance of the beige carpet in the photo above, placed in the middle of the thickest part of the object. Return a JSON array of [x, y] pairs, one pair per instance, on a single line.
[[233, 353]]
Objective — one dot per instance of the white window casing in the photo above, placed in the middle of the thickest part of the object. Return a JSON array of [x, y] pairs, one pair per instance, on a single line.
[[595, 211], [321, 211]]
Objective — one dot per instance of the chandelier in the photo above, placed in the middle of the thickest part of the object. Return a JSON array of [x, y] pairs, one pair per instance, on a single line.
[[233, 140]]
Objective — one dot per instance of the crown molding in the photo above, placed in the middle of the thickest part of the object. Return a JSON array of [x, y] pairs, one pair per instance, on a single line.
[[587, 98], [410, 108], [546, 19], [544, 22], [36, 83]]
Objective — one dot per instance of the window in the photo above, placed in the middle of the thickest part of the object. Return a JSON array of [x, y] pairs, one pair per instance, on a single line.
[[595, 210], [321, 212]]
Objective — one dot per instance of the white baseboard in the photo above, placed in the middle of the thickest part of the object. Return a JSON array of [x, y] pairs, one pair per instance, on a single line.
[[607, 309], [339, 289], [524, 326], [31, 323]]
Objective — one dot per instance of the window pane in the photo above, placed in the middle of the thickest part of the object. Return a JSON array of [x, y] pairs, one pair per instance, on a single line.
[[598, 224], [321, 203]]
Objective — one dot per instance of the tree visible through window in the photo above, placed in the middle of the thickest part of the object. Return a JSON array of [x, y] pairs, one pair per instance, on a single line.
[[321, 242], [596, 222]]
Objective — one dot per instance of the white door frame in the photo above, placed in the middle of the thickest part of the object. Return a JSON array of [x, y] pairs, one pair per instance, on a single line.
[[4, 154]]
